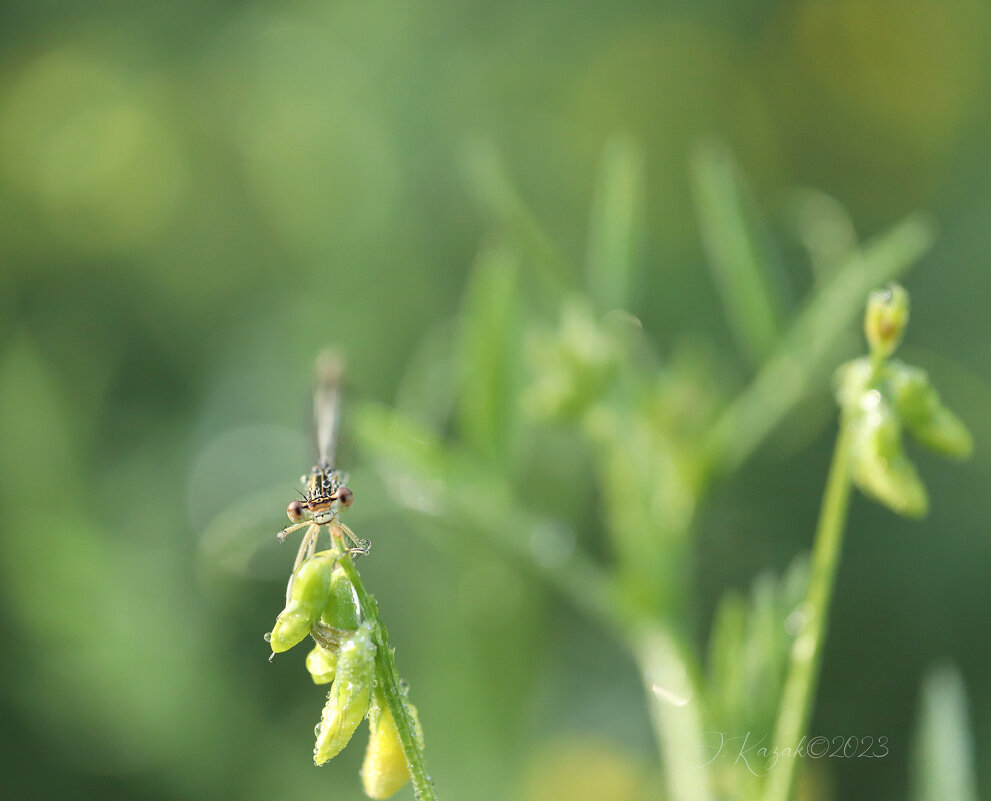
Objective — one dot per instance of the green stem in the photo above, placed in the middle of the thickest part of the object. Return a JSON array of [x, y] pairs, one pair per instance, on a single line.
[[806, 652], [391, 686], [674, 713]]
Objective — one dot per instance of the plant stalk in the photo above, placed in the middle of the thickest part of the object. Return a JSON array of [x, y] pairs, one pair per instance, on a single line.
[[674, 713], [390, 684], [806, 651]]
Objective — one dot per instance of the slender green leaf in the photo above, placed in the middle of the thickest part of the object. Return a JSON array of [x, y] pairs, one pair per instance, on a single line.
[[748, 651], [739, 251], [616, 219], [489, 355], [498, 199], [807, 345], [943, 767], [427, 392]]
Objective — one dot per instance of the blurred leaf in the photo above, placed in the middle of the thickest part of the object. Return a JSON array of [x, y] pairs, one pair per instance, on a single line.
[[739, 249], [748, 654], [498, 198], [805, 348], [446, 485], [616, 219], [726, 644], [824, 227], [748, 651], [489, 355], [428, 387], [943, 764]]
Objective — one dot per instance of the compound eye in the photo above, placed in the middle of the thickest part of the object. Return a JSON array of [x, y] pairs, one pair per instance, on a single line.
[[295, 511], [345, 497]]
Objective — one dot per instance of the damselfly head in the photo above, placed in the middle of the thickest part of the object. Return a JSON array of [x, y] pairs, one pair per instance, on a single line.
[[325, 496]]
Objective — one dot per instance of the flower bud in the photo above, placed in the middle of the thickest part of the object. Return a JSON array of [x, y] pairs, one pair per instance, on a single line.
[[385, 769], [879, 466], [924, 415], [341, 611], [347, 701], [322, 664], [574, 366], [886, 318], [307, 600]]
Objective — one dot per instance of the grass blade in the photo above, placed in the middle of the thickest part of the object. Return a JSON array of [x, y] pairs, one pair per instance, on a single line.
[[496, 196], [488, 358], [806, 346], [739, 251], [616, 219], [944, 767]]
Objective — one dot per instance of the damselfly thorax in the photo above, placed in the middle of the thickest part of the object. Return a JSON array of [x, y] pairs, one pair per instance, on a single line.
[[325, 496]]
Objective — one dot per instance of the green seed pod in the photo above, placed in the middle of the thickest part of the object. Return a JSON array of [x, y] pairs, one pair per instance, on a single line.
[[879, 465], [341, 611], [347, 701], [886, 319], [924, 415], [385, 769], [322, 664], [310, 591]]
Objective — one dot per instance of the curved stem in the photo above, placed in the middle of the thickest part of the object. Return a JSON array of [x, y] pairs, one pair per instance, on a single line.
[[806, 652], [389, 682]]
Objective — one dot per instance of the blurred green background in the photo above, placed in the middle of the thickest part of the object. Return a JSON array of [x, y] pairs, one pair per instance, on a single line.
[[196, 197]]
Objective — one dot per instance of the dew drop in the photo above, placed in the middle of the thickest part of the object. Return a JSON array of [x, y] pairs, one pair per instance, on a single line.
[[267, 636], [317, 729]]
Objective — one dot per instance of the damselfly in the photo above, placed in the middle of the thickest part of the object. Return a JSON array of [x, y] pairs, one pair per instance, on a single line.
[[326, 491]]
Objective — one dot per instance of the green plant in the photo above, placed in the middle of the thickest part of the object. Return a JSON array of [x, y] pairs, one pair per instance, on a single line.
[[356, 659], [878, 397], [540, 353]]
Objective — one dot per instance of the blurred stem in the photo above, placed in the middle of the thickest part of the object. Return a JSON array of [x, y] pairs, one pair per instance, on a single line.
[[390, 684], [674, 712], [806, 652]]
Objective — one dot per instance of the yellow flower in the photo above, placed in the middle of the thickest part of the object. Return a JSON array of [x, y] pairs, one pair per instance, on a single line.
[[385, 769]]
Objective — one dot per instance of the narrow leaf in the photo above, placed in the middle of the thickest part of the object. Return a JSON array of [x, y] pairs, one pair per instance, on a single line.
[[489, 355], [739, 251], [943, 764], [616, 219], [498, 199], [803, 350]]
